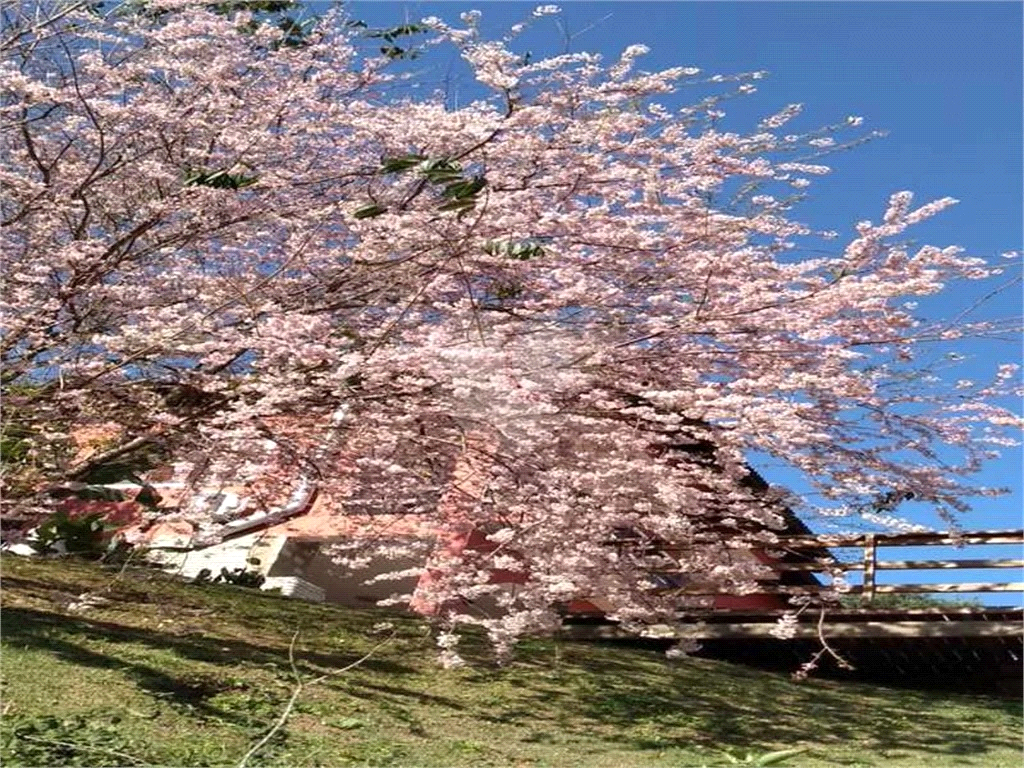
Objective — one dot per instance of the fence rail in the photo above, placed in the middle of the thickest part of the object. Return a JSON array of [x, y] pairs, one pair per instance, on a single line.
[[940, 634], [900, 565], [870, 564], [902, 539], [1008, 629]]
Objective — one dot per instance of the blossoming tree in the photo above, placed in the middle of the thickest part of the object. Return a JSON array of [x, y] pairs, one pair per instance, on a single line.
[[219, 223]]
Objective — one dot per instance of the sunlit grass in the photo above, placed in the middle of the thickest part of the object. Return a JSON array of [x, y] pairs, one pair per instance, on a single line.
[[168, 673]]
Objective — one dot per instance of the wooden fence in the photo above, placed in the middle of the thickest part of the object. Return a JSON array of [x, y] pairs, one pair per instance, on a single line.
[[870, 565], [808, 555], [811, 554]]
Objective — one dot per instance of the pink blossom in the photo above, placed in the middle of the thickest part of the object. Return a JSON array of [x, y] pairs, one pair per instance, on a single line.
[[481, 338]]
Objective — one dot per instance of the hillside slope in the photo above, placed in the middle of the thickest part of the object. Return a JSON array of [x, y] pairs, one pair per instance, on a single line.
[[167, 673]]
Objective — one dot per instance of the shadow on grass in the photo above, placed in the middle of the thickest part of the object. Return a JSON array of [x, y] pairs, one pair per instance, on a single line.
[[425, 699], [625, 697], [66, 638], [637, 700], [717, 704]]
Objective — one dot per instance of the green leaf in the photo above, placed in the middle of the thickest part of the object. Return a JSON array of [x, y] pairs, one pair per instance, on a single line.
[[442, 176], [522, 250], [216, 179], [409, 29], [458, 205], [253, 6], [219, 179], [438, 162], [402, 163], [369, 211], [465, 189], [456, 190], [528, 252], [442, 171], [391, 34]]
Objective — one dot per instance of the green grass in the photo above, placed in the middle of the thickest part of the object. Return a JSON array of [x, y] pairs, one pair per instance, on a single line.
[[175, 674]]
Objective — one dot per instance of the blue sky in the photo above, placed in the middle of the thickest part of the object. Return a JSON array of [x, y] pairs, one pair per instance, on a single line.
[[944, 80]]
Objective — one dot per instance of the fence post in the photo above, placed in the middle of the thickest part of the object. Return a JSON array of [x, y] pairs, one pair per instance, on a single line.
[[867, 594]]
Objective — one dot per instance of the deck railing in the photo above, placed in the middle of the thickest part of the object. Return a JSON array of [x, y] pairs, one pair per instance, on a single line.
[[870, 565], [810, 554], [985, 632]]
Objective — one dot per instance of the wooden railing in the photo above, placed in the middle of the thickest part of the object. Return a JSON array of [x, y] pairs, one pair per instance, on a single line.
[[810, 554], [972, 626], [870, 564]]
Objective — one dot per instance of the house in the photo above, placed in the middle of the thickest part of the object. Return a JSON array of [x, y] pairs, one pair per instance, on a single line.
[[285, 541]]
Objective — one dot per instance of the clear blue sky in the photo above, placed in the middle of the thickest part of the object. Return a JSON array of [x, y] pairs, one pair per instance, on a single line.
[[944, 80]]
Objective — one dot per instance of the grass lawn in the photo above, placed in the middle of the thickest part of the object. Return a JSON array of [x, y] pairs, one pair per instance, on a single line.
[[167, 673]]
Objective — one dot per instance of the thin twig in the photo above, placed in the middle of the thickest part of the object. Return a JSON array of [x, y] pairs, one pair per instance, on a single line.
[[287, 710], [843, 663], [10, 42], [811, 665], [120, 573], [300, 686]]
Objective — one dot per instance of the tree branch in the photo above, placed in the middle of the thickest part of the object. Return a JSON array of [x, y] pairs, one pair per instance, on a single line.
[[300, 686]]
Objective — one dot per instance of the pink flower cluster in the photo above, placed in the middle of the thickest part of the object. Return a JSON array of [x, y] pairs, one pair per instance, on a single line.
[[534, 316]]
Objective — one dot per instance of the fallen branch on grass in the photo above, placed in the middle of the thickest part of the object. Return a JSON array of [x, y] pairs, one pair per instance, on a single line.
[[300, 686]]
